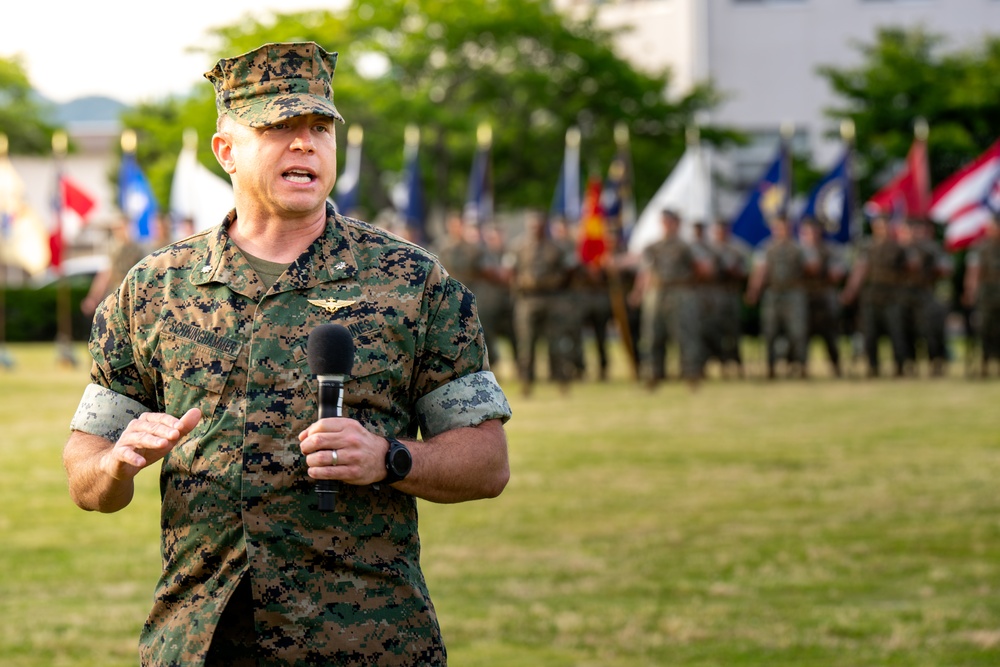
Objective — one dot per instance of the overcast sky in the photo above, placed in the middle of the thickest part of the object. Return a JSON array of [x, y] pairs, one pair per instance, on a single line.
[[125, 49]]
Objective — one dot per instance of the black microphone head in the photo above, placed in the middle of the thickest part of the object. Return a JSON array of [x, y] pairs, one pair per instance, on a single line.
[[330, 350]]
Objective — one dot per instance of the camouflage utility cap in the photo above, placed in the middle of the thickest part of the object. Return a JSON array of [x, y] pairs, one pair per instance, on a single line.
[[274, 82]]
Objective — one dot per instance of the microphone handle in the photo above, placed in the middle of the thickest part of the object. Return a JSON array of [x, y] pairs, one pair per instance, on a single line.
[[331, 404]]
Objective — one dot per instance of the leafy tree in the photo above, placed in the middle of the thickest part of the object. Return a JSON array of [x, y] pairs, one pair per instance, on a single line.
[[23, 118], [449, 65], [905, 75]]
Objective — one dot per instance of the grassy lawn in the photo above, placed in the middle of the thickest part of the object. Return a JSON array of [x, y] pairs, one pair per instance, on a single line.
[[811, 522]]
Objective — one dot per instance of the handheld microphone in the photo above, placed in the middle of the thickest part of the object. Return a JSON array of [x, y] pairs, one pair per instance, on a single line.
[[330, 350]]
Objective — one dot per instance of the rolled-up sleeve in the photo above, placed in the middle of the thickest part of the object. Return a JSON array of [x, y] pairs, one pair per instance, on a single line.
[[466, 401]]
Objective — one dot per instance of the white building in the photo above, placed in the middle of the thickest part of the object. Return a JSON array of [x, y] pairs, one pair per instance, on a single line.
[[763, 54]]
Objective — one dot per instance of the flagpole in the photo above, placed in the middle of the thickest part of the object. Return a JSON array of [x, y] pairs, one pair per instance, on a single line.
[[484, 140], [787, 134], [616, 292], [64, 318], [847, 133]]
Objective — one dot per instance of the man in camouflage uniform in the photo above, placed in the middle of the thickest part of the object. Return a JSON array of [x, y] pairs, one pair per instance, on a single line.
[[877, 276], [464, 254], [669, 305], [779, 270], [926, 263], [706, 289], [982, 291], [540, 277], [730, 280], [122, 256], [823, 270], [200, 360]]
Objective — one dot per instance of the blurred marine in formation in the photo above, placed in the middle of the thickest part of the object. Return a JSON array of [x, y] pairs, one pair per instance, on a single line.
[[777, 282], [824, 269], [876, 276], [982, 291], [669, 305]]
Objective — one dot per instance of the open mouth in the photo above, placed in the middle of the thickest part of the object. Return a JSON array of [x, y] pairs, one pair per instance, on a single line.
[[298, 176]]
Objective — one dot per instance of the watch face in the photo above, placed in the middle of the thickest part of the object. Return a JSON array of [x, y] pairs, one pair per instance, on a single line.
[[400, 460]]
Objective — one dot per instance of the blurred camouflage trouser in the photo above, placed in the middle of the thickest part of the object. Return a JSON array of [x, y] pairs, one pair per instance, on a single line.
[[722, 313], [988, 311], [670, 314], [785, 312], [925, 320], [535, 318], [824, 321], [882, 314]]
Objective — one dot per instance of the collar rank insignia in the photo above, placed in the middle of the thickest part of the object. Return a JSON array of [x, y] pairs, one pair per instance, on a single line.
[[333, 305]]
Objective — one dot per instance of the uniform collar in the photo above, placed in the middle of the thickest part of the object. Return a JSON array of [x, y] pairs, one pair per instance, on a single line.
[[329, 258]]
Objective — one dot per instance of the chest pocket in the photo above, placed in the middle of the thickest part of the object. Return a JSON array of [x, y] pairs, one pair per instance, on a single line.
[[192, 375], [375, 386]]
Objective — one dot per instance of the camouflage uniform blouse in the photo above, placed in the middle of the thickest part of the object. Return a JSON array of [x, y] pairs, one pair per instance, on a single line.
[[192, 326]]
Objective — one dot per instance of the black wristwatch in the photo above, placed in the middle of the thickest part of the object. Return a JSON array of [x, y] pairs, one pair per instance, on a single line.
[[398, 461]]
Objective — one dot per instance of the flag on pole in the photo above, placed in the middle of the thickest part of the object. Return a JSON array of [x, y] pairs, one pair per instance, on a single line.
[[479, 195], [408, 195], [136, 199], [968, 199], [566, 200], [72, 206], [766, 200], [686, 190], [592, 242], [348, 188], [830, 202], [24, 239], [196, 193], [11, 195], [908, 194], [617, 198]]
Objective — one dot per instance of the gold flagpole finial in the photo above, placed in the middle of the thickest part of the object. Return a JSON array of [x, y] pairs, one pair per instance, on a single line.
[[60, 143], [129, 140], [484, 135], [621, 134], [787, 130], [921, 129], [412, 135], [692, 134], [847, 130], [355, 135], [573, 137], [190, 139]]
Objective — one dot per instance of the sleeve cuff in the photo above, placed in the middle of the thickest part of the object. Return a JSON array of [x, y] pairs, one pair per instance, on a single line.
[[105, 413], [466, 401]]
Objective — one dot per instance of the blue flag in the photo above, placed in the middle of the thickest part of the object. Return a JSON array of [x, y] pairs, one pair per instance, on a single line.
[[830, 202], [409, 198], [767, 199], [566, 199], [479, 196], [348, 188], [136, 200]]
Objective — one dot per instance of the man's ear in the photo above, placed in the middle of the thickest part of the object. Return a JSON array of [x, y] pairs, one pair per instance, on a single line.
[[222, 146]]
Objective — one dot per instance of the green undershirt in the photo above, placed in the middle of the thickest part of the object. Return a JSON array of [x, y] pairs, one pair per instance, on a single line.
[[268, 272]]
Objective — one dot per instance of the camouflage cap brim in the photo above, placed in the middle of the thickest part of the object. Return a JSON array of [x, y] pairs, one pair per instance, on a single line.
[[275, 82], [276, 108]]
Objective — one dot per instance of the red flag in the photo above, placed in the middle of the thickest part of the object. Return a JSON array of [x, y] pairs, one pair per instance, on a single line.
[[593, 245], [72, 199], [967, 200], [907, 195]]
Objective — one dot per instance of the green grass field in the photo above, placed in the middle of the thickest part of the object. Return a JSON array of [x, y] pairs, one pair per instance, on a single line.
[[797, 523]]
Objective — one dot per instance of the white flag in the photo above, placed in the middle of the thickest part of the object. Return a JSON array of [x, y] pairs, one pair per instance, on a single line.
[[687, 190], [197, 193]]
